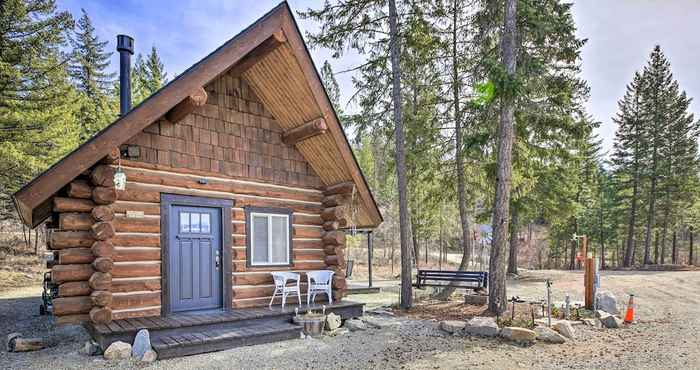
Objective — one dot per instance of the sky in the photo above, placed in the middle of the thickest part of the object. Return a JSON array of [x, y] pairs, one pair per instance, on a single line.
[[620, 33]]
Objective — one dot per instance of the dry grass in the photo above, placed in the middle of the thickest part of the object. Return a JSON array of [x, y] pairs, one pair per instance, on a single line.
[[19, 265]]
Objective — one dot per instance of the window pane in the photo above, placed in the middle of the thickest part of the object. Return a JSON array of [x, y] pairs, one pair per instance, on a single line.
[[259, 240], [194, 223], [206, 223], [184, 222], [279, 239]]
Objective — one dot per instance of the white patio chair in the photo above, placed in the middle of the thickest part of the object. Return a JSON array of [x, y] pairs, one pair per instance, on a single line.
[[284, 288], [319, 282]]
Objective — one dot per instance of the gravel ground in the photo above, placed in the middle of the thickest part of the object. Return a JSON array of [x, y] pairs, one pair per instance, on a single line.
[[666, 336]]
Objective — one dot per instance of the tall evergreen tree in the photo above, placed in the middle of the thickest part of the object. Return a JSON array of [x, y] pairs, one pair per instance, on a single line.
[[147, 76], [37, 115], [504, 165], [89, 72], [670, 134], [371, 28], [629, 157], [154, 73]]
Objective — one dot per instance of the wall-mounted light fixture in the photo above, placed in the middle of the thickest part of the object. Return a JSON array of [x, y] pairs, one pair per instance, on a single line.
[[130, 151]]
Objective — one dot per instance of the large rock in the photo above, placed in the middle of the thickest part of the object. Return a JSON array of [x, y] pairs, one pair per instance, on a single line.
[[520, 335], [91, 348], [337, 332], [592, 322], [611, 321], [149, 356], [607, 302], [379, 323], [564, 328], [118, 351], [452, 326], [333, 321], [355, 325], [10, 338], [548, 335], [142, 344], [482, 326]]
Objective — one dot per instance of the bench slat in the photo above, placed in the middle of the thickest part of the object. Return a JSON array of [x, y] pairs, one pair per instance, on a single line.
[[478, 279]]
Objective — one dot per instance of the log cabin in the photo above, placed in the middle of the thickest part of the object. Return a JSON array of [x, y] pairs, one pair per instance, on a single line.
[[236, 168]]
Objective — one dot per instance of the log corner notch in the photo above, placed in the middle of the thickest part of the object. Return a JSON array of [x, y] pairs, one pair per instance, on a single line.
[[333, 238], [339, 188], [305, 131], [102, 230], [193, 101]]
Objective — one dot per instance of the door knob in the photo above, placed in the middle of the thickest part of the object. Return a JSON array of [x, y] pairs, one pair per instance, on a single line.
[[217, 261]]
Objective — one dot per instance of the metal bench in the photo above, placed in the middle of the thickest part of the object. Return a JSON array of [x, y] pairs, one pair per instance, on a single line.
[[475, 280]]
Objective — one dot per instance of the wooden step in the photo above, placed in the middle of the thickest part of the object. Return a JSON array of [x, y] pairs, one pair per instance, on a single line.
[[195, 341]]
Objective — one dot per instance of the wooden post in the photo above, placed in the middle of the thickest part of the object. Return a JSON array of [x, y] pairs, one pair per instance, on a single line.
[[589, 273], [369, 257], [589, 277]]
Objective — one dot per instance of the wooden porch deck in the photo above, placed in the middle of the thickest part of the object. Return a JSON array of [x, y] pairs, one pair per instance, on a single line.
[[200, 332]]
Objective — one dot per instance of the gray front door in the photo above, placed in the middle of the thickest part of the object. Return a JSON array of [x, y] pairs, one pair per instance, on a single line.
[[195, 271]]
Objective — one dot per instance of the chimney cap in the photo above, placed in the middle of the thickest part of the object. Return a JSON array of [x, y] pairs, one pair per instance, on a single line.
[[125, 43]]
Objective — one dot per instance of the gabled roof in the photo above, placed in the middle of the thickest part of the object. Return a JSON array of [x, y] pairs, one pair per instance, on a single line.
[[272, 56]]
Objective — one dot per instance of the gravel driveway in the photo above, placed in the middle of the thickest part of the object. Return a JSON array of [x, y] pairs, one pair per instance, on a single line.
[[665, 338]]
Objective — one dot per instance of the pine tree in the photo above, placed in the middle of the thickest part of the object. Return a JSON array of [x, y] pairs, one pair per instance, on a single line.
[[154, 73], [504, 165], [333, 90], [138, 82], [678, 153], [37, 114], [90, 75], [670, 137], [629, 156]]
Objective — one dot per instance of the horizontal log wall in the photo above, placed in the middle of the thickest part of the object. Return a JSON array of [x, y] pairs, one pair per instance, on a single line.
[[137, 242]]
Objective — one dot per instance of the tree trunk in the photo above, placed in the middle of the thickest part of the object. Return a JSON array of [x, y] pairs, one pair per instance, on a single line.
[[650, 216], [691, 260], [504, 169], [633, 215], [513, 257], [442, 249], [426, 251], [674, 250], [406, 279], [572, 255], [656, 247], [664, 229], [602, 236], [459, 160], [414, 241]]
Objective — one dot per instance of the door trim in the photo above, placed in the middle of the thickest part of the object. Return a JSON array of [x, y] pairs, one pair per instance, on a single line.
[[225, 205]]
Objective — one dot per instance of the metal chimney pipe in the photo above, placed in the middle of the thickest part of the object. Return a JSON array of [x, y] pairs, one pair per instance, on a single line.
[[125, 47]]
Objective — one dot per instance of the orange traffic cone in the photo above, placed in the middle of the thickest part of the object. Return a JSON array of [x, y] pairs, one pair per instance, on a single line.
[[629, 315]]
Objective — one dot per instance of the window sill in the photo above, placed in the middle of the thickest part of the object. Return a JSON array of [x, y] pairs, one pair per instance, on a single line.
[[270, 266]]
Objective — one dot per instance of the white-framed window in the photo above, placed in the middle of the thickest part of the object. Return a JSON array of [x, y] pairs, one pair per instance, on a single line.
[[269, 240]]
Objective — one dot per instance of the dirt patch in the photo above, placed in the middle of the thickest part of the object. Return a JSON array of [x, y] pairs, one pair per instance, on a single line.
[[443, 310]]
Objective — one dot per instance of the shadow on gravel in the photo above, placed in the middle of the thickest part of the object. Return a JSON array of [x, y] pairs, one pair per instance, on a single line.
[[21, 315]]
